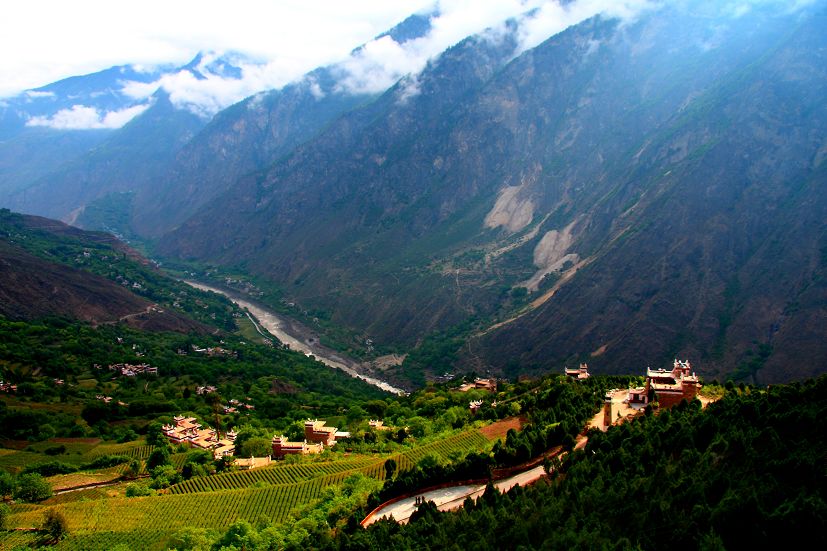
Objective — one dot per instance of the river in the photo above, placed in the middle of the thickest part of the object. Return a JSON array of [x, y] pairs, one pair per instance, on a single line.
[[287, 331]]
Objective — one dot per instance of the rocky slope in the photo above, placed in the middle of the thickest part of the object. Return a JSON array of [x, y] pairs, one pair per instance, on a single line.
[[656, 181], [248, 137]]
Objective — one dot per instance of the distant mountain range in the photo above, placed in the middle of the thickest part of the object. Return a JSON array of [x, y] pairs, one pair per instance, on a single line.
[[624, 192]]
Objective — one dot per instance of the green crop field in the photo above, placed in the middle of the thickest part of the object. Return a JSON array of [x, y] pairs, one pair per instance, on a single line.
[[278, 474], [97, 521], [79, 495], [448, 448], [74, 480]]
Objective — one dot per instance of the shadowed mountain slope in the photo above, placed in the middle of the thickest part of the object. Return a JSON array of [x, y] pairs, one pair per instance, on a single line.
[[655, 184], [37, 278]]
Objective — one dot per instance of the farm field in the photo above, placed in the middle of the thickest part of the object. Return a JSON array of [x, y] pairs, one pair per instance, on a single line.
[[77, 451], [96, 520]]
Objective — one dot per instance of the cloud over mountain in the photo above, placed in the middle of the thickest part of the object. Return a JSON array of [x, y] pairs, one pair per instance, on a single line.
[[82, 117]]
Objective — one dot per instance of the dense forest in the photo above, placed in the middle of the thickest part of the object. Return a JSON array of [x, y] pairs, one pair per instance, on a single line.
[[52, 361]]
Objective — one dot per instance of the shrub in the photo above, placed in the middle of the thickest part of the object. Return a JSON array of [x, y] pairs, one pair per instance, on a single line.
[[54, 525], [32, 487]]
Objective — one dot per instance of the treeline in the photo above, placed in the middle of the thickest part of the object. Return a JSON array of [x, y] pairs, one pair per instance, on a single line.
[[746, 472], [556, 410], [51, 468]]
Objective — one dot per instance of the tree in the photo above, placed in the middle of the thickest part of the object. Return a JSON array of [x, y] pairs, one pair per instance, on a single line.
[[32, 487], [223, 464], [191, 538], [158, 457], [240, 535], [54, 525], [256, 447], [133, 469], [164, 476], [356, 413], [138, 490], [155, 435], [390, 468], [7, 484], [5, 511], [419, 426]]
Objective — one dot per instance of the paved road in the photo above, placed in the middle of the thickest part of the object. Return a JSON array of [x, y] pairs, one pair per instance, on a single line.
[[402, 510], [447, 499]]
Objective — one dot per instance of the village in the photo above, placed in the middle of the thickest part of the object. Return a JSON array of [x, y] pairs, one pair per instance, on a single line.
[[664, 387], [317, 437]]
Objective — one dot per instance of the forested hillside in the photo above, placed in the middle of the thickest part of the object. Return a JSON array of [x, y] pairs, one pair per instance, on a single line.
[[747, 471]]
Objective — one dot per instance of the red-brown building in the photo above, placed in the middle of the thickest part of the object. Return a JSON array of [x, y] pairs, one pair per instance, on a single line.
[[282, 447], [579, 373], [316, 432], [668, 386], [187, 430], [673, 386]]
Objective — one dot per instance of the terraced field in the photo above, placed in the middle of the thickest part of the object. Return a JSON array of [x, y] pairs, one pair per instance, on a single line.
[[275, 475], [97, 521], [447, 448]]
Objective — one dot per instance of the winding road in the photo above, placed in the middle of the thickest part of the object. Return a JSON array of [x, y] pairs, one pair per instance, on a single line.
[[447, 499]]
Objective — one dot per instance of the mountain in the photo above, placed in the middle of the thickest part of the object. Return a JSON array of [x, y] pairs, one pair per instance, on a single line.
[[250, 136], [67, 152], [652, 183], [129, 159], [102, 91], [48, 268], [96, 137]]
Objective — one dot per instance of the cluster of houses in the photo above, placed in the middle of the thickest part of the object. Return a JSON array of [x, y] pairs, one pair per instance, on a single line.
[[489, 385], [479, 384], [108, 400], [578, 373], [316, 437], [7, 387], [214, 351], [204, 390], [665, 386], [234, 406], [131, 370], [187, 430]]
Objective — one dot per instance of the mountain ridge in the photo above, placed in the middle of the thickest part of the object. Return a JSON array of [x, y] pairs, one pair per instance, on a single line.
[[559, 148]]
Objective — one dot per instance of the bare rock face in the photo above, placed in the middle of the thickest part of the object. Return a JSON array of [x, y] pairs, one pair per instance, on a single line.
[[510, 211], [657, 186]]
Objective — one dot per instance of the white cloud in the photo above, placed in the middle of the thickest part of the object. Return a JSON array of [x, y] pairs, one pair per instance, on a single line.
[[34, 94], [54, 39], [552, 18], [138, 90], [383, 62], [82, 117], [290, 37]]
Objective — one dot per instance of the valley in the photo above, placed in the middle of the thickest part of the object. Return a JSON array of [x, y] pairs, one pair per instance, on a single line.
[[545, 274], [298, 337]]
